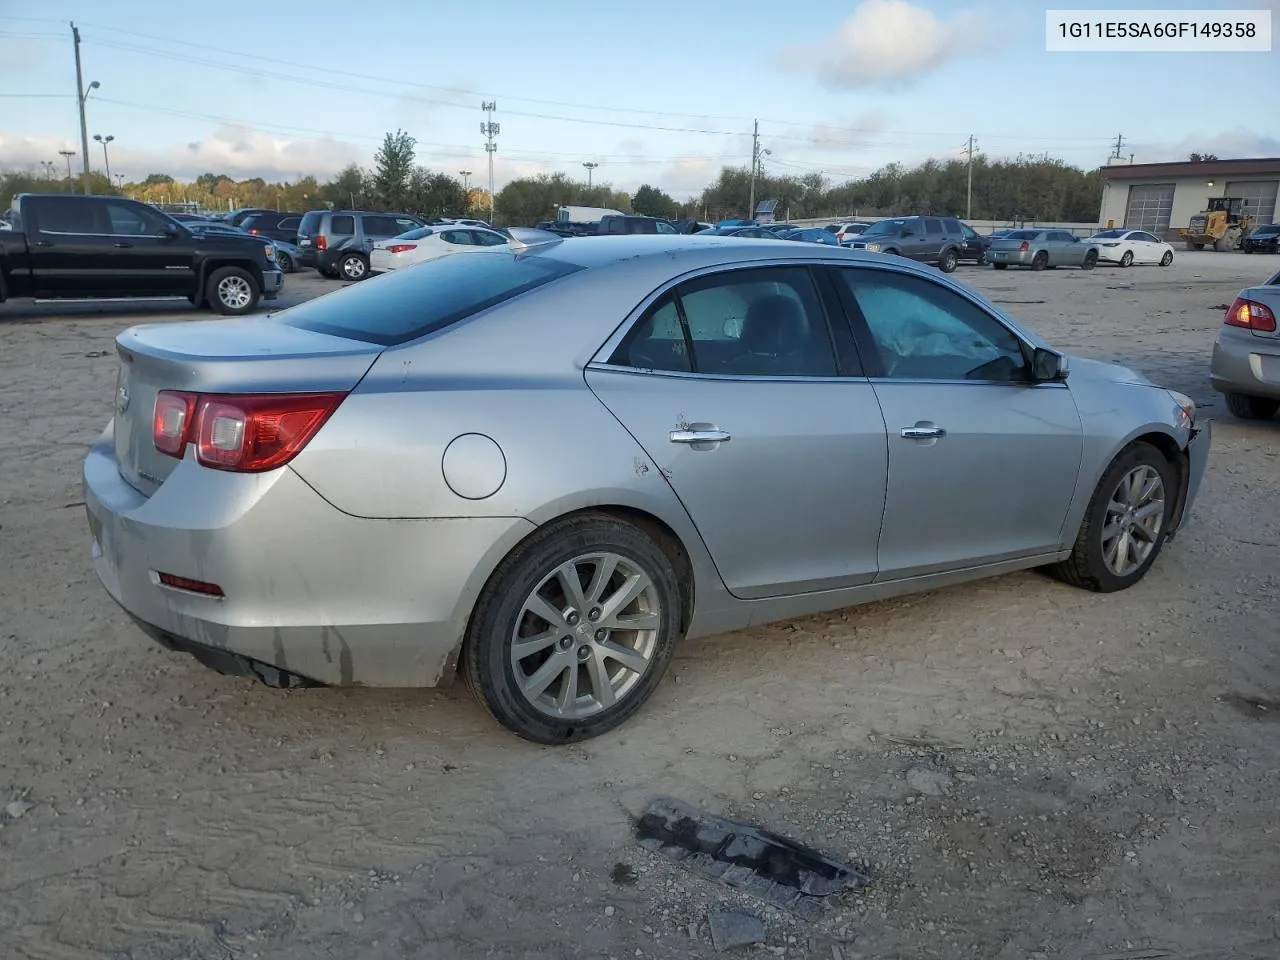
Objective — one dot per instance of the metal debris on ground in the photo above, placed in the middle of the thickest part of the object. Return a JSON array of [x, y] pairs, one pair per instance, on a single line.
[[734, 928], [758, 862]]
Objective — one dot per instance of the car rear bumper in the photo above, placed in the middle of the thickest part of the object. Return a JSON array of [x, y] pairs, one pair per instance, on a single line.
[[1244, 363], [1109, 254], [309, 592], [1009, 256]]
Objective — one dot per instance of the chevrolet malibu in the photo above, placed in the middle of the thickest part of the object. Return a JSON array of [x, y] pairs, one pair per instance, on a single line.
[[542, 466]]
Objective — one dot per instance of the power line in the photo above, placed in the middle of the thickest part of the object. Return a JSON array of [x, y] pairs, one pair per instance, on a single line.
[[187, 58]]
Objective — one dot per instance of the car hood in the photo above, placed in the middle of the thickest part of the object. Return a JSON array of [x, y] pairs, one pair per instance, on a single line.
[[1081, 368]]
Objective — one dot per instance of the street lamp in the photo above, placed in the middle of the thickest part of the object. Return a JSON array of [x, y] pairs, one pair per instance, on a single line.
[[466, 190], [68, 154], [48, 166], [105, 159], [590, 167], [84, 130]]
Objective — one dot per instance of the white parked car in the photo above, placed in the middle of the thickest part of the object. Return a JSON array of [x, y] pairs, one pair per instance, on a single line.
[[427, 243], [1127, 247], [845, 232]]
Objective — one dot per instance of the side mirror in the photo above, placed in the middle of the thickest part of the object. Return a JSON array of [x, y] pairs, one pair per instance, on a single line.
[[1048, 365], [171, 230]]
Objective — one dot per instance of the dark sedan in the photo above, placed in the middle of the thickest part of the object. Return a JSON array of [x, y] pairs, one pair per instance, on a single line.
[[811, 235], [1265, 239]]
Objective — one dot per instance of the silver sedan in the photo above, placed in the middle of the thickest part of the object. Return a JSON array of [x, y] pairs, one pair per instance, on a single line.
[[1246, 352], [543, 465]]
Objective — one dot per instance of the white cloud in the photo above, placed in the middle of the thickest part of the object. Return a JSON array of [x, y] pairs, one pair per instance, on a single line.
[[888, 44], [1227, 145]]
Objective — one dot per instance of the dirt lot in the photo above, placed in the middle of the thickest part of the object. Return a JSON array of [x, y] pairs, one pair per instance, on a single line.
[[1113, 762]]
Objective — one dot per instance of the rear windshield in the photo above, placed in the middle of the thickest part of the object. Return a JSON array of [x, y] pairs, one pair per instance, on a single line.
[[407, 304], [310, 222], [1110, 234], [1022, 235], [415, 234]]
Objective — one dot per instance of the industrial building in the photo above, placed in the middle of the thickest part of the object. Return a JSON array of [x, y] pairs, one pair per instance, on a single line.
[[1160, 198]]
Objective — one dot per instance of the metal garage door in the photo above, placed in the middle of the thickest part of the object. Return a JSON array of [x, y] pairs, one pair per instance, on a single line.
[[1261, 197], [1150, 206]]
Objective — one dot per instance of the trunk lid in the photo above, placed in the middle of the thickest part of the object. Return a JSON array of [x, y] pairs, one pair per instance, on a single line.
[[218, 356], [1006, 244]]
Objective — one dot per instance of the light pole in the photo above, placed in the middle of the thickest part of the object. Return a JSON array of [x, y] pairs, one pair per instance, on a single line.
[[466, 190], [105, 159], [48, 166], [68, 154], [120, 182], [590, 165]]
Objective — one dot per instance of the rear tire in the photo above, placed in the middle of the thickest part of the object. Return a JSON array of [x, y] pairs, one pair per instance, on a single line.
[[1040, 260], [1197, 246], [1088, 566], [232, 291], [564, 706], [1252, 408], [353, 267]]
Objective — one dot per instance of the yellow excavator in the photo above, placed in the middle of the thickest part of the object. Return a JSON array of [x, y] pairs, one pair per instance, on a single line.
[[1224, 224]]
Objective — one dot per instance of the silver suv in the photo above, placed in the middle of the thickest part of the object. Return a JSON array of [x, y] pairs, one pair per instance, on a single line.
[[337, 242]]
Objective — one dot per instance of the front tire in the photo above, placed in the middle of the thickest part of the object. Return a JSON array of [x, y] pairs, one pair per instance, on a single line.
[[1167, 259], [574, 630], [947, 263], [286, 262], [1125, 524], [232, 291], [1127, 259], [1252, 408], [982, 258], [353, 267]]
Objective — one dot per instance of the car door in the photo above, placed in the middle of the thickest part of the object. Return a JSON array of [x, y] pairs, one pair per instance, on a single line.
[[153, 255], [1148, 249], [770, 437], [1063, 249], [973, 244], [983, 462], [71, 246]]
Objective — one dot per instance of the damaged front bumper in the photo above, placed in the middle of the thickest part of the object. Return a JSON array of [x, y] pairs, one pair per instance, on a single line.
[[1197, 461]]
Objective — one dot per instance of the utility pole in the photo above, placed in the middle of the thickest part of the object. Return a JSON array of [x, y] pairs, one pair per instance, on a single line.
[[81, 95], [968, 197], [590, 167], [1119, 144], [755, 162], [490, 130]]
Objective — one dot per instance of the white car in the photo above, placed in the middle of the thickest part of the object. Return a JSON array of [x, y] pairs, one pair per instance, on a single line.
[[427, 243], [1127, 247], [845, 232]]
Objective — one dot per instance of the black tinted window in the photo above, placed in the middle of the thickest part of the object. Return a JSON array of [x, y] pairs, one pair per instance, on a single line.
[[921, 330], [128, 220], [952, 228], [407, 304], [382, 227], [932, 226], [343, 225], [289, 223], [310, 222], [762, 323], [70, 215]]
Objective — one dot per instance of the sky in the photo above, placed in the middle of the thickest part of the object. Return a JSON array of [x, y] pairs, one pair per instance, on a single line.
[[660, 92]]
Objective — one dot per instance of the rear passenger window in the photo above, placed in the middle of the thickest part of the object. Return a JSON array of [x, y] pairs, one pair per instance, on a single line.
[[664, 227], [289, 223], [760, 323], [932, 227], [382, 227], [343, 226], [69, 215]]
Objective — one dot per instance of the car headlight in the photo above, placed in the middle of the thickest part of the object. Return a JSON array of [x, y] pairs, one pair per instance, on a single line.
[[1184, 411], [271, 251], [873, 247]]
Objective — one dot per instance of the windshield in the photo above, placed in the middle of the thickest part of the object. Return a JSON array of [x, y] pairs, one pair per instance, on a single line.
[[1268, 229], [1109, 234], [408, 304], [414, 234], [883, 227]]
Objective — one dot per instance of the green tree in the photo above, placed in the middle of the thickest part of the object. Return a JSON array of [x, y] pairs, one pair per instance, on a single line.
[[434, 194], [347, 189], [653, 202], [156, 178], [392, 171]]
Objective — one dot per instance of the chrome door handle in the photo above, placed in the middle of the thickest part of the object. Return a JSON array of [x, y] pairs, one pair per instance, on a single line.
[[122, 244], [923, 433], [699, 436]]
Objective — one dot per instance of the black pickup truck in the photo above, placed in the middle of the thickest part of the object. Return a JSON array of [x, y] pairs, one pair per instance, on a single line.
[[70, 247]]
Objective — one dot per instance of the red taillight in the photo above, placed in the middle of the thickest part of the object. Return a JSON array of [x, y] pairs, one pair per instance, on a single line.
[[322, 242], [1251, 315], [254, 231], [171, 421], [1023, 246], [192, 586], [244, 433], [401, 247]]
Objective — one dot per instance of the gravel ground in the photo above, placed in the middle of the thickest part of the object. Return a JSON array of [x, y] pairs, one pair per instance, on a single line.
[[1099, 772]]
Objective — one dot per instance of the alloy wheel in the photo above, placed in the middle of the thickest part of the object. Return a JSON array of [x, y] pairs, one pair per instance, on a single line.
[[1134, 520], [585, 636], [353, 268], [234, 293]]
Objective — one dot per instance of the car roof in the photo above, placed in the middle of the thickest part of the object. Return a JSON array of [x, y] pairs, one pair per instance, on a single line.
[[596, 252]]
